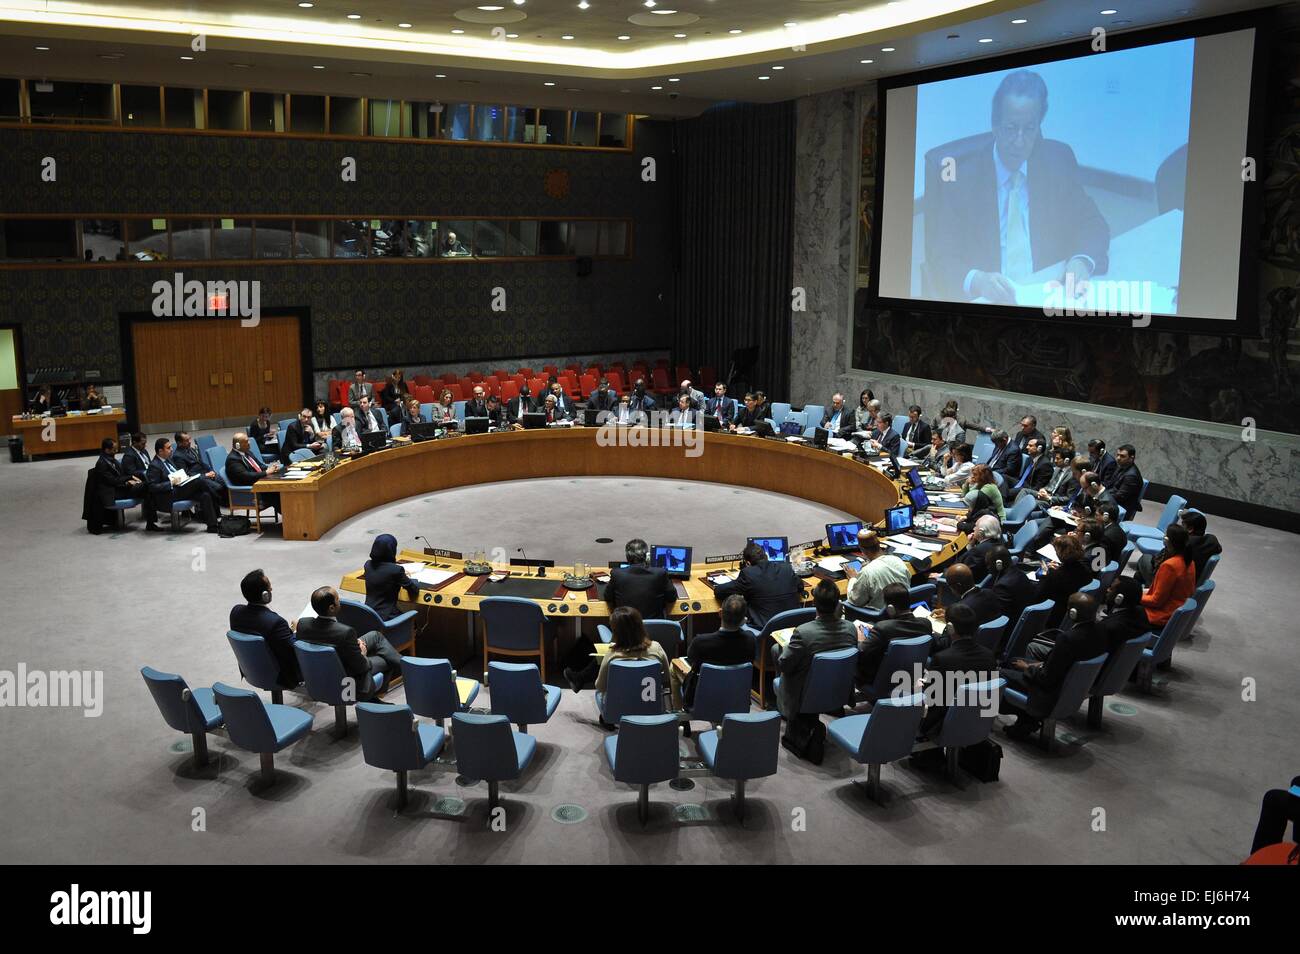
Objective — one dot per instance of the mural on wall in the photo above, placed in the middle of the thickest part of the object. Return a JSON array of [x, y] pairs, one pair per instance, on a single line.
[[1207, 377], [867, 187]]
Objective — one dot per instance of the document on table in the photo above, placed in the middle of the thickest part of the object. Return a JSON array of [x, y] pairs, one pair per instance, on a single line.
[[839, 444], [833, 564], [915, 544], [1063, 515], [292, 475], [902, 549], [1049, 553], [413, 568], [432, 576], [719, 578]]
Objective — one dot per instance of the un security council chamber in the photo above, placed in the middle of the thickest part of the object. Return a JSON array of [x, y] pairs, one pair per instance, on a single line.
[[657, 432]]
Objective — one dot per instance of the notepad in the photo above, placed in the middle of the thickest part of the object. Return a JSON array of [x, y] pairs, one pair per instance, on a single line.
[[1049, 553], [464, 688], [782, 636], [1063, 515], [910, 541], [432, 576], [833, 564]]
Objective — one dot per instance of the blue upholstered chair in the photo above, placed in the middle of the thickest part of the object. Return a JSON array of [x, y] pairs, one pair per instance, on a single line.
[[1202, 595], [626, 690], [924, 592], [667, 633], [1115, 675], [1160, 647], [519, 694], [433, 690], [323, 675], [747, 748], [901, 656], [1107, 576], [1019, 512], [242, 498], [829, 684], [391, 739], [1074, 689], [193, 711], [1136, 531], [1207, 571], [885, 734], [513, 627], [780, 411], [257, 727], [990, 634], [487, 749], [256, 663], [1024, 536], [813, 414], [642, 752], [400, 630], [861, 614], [721, 691], [1032, 620], [968, 719], [303, 453]]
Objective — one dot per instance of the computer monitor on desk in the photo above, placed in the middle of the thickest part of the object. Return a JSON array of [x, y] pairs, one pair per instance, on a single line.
[[676, 560], [897, 520], [776, 548], [842, 537], [533, 420], [425, 431], [373, 441], [476, 425]]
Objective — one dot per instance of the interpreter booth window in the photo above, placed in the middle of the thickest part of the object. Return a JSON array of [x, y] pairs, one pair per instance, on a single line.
[[232, 239], [183, 108], [40, 240], [273, 238], [585, 238], [422, 120], [306, 113], [551, 126], [104, 240], [64, 102], [386, 118], [402, 238], [311, 238], [491, 239], [141, 106], [489, 123], [518, 121], [456, 238], [10, 102], [146, 240], [613, 130], [351, 238], [582, 129], [266, 112], [346, 116], [553, 238], [613, 239], [456, 122], [523, 238], [226, 109], [191, 239]]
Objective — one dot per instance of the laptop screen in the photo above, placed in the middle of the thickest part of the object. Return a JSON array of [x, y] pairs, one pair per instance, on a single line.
[[914, 475], [898, 519], [676, 560], [842, 536], [920, 499], [776, 548]]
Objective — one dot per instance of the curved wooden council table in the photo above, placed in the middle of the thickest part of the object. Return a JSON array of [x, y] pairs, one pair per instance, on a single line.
[[310, 507], [448, 610]]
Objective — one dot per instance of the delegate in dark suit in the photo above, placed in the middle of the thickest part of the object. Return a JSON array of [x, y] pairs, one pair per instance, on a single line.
[[889, 441], [1042, 683], [243, 470], [769, 587], [733, 647], [1006, 461], [917, 433], [842, 420], [1121, 625], [257, 620], [161, 489], [645, 588], [380, 656], [188, 460], [1014, 591], [604, 400], [962, 220], [518, 406], [296, 438], [871, 651], [476, 408], [962, 656], [1126, 488], [723, 408], [985, 604], [1040, 473], [1104, 467], [1059, 584], [109, 479]]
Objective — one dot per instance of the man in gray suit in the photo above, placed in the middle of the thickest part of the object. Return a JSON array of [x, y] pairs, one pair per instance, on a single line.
[[805, 735], [361, 656]]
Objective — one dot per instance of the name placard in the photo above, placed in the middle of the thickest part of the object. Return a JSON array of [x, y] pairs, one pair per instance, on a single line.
[[438, 552], [724, 558]]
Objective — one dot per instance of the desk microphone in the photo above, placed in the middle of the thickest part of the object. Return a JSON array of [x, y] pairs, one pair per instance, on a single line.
[[428, 547], [541, 570]]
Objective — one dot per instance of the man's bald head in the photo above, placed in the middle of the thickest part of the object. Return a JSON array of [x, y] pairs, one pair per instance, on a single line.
[[868, 541], [959, 577]]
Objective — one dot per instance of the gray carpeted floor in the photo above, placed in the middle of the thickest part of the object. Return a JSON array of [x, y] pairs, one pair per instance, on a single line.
[[1178, 775]]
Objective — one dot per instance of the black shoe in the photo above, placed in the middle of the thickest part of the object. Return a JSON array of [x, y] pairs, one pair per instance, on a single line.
[[213, 528], [154, 528], [1021, 729], [574, 680]]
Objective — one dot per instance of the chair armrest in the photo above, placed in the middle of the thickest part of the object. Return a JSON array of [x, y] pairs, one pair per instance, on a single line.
[[400, 620], [1015, 696]]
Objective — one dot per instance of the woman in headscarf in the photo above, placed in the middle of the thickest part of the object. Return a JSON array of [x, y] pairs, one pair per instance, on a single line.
[[385, 577]]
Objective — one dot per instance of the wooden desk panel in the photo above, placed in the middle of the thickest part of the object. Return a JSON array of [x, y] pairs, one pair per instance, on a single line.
[[311, 507], [77, 432]]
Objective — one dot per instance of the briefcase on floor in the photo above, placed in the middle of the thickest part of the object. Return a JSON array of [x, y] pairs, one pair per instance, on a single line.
[[982, 760]]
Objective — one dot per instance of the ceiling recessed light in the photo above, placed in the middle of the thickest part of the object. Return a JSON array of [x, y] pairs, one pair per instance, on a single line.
[[519, 3], [733, 31], [679, 36], [1019, 21], [765, 77], [656, 87], [778, 67], [625, 91], [567, 36], [986, 39], [866, 61], [306, 6], [583, 4], [886, 49], [663, 13], [111, 56], [187, 57], [674, 79], [490, 8], [789, 23], [242, 66], [548, 83], [457, 30], [512, 36], [624, 36], [318, 67], [843, 15], [1108, 13], [649, 3], [404, 26], [360, 75], [354, 16], [573, 89], [43, 49], [439, 75]]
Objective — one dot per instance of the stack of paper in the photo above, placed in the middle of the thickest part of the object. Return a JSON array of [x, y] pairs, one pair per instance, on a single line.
[[431, 576], [1049, 553], [412, 568], [902, 549], [1063, 515], [722, 578], [915, 544], [833, 564], [839, 444]]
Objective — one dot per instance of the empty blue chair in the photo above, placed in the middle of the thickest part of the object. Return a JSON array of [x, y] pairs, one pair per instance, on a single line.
[[1024, 536], [983, 449], [1075, 687], [1167, 516], [1160, 648], [1107, 576], [990, 634], [258, 666], [1202, 595], [433, 690], [900, 421], [1019, 512], [780, 412], [1124, 556], [927, 592], [519, 694], [391, 739], [627, 691], [458, 411], [488, 750], [178, 507], [829, 684], [202, 443], [667, 633], [1114, 676], [1032, 620], [513, 627], [323, 675], [257, 727], [193, 711], [1207, 571], [812, 418], [400, 630], [747, 748], [642, 752], [284, 426], [303, 453], [721, 691], [885, 734], [903, 658], [968, 719], [426, 413]]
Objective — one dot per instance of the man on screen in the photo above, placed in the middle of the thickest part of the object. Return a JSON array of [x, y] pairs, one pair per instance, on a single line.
[[1012, 205]]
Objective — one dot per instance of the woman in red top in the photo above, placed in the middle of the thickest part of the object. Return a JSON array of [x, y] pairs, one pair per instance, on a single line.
[[1175, 578]]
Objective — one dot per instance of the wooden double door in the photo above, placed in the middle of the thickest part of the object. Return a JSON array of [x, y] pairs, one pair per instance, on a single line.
[[215, 369]]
